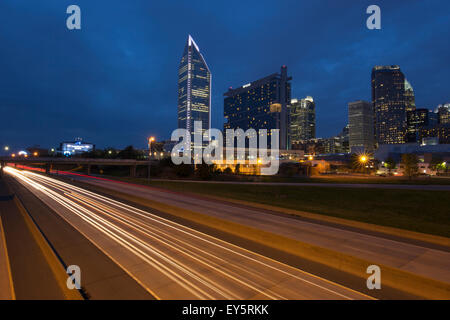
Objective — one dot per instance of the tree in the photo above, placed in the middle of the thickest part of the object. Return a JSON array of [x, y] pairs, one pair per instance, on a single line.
[[436, 163], [410, 164], [237, 168], [227, 170], [390, 164], [288, 169], [130, 153], [183, 170], [205, 171]]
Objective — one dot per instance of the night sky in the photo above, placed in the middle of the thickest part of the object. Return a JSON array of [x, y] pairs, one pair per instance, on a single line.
[[114, 82]]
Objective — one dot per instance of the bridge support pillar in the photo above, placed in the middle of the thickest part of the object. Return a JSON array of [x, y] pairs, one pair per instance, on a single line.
[[133, 171]]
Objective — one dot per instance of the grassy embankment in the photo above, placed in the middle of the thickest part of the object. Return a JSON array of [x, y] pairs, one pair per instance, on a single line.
[[421, 211]]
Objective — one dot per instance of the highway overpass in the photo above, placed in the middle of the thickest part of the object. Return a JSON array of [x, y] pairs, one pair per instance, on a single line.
[[50, 162]]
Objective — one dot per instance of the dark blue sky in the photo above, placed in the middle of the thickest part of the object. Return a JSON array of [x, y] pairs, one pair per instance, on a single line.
[[115, 81]]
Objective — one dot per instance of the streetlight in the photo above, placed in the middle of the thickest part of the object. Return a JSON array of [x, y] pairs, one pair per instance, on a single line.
[[6, 148], [363, 159], [150, 140]]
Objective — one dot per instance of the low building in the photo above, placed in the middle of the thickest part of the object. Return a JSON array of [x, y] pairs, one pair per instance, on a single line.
[[396, 150], [69, 148]]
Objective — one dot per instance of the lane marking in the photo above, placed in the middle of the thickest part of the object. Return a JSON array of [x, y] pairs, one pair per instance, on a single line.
[[147, 215], [7, 262]]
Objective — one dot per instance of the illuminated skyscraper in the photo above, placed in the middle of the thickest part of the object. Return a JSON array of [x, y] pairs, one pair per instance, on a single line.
[[443, 111], [302, 120], [392, 97], [261, 104], [194, 89], [409, 97]]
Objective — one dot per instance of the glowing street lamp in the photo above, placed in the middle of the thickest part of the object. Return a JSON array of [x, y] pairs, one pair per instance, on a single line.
[[150, 140], [6, 148], [363, 159], [13, 155], [35, 154]]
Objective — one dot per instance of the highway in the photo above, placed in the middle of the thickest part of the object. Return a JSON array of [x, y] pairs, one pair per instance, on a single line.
[[172, 261], [423, 259]]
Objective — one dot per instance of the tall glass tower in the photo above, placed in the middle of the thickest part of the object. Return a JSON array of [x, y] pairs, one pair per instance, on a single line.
[[392, 97], [194, 89], [302, 120]]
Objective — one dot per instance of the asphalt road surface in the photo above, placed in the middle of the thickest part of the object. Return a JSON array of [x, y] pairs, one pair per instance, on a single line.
[[173, 261], [421, 258]]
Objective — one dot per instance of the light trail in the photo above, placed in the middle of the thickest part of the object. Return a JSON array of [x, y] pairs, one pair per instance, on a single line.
[[202, 266]]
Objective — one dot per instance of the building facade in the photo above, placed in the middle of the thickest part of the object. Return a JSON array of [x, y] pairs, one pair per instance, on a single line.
[[443, 111], [416, 120], [194, 89], [441, 132], [409, 97], [262, 104], [392, 97], [302, 124], [69, 148], [361, 126]]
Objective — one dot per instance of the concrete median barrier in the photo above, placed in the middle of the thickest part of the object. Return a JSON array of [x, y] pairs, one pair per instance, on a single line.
[[51, 257]]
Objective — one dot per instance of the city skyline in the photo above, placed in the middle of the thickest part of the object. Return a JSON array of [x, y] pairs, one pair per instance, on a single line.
[[97, 84], [211, 157]]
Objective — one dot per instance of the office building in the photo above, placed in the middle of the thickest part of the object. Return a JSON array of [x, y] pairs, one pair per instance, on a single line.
[[392, 97], [416, 120], [410, 99], [361, 126], [443, 111], [69, 148], [302, 120], [261, 104], [433, 118], [440, 131], [194, 89]]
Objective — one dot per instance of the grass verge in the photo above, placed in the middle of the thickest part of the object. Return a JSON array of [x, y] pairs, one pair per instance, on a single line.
[[415, 210]]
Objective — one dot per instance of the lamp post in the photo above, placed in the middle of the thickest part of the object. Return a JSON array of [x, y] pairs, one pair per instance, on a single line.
[[363, 160], [150, 140]]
